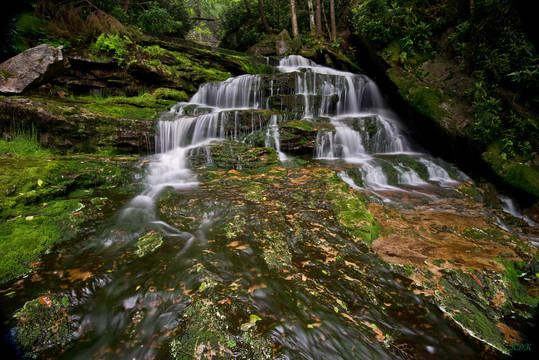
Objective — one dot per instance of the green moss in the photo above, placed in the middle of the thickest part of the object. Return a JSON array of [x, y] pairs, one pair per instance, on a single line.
[[517, 290], [350, 210], [6, 74], [212, 331], [25, 180], [513, 171], [300, 125], [170, 94], [148, 243], [123, 111], [41, 327], [424, 99], [468, 189], [33, 218], [24, 239]]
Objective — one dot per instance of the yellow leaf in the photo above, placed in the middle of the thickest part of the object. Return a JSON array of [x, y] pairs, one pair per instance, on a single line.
[[39, 182], [138, 287]]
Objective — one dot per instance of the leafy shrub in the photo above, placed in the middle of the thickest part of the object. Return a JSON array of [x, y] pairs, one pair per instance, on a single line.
[[165, 18], [116, 44]]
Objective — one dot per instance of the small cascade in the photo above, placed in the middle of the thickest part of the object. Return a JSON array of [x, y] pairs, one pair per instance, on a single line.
[[241, 92], [273, 137], [509, 207], [437, 173], [408, 176], [374, 178]]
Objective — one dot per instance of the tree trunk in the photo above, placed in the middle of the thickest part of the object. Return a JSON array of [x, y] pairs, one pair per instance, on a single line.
[[247, 8], [472, 9], [333, 22], [126, 5], [263, 17], [311, 17], [274, 15], [295, 29], [327, 23], [318, 19]]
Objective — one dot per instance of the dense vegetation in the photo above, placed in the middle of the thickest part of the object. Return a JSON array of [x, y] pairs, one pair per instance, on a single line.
[[488, 40]]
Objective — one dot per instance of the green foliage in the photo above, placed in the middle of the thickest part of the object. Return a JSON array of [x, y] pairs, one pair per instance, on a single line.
[[494, 43], [165, 18], [495, 123], [115, 44], [383, 22]]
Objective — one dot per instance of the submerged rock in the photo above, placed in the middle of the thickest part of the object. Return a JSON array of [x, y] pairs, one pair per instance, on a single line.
[[31, 68]]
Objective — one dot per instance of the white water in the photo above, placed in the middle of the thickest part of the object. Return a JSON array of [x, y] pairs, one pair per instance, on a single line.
[[509, 207], [273, 137], [364, 129]]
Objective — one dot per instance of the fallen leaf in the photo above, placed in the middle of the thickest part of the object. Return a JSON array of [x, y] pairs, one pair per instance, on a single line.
[[45, 300]]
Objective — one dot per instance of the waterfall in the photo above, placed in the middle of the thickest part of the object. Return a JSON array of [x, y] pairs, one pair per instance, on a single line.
[[364, 128], [241, 92]]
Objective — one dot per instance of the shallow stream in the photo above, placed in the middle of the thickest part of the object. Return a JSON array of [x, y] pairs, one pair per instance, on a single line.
[[228, 254]]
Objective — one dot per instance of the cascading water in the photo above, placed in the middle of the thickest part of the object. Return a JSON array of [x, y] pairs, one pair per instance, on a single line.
[[216, 259], [365, 130]]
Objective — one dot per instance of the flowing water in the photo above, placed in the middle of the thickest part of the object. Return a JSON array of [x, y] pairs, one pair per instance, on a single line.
[[130, 307]]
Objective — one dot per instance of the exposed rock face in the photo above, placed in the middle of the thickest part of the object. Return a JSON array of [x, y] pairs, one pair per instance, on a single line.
[[283, 43], [67, 127], [31, 68], [280, 44]]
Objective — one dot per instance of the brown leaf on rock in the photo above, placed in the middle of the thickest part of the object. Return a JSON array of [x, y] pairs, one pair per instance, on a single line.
[[45, 300]]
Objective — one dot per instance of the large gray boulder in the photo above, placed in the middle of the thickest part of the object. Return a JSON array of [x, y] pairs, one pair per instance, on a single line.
[[273, 44], [31, 68]]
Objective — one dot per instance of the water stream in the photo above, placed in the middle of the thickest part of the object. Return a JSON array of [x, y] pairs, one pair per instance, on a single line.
[[128, 307]]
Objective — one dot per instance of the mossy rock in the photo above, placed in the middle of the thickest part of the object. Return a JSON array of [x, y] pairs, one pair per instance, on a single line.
[[513, 171], [35, 216], [43, 324], [299, 136], [233, 155], [83, 126], [479, 301], [148, 243]]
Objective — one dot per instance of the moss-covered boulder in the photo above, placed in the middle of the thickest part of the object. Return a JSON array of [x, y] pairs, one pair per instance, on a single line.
[[44, 324], [299, 136], [273, 44], [35, 214], [232, 155]]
